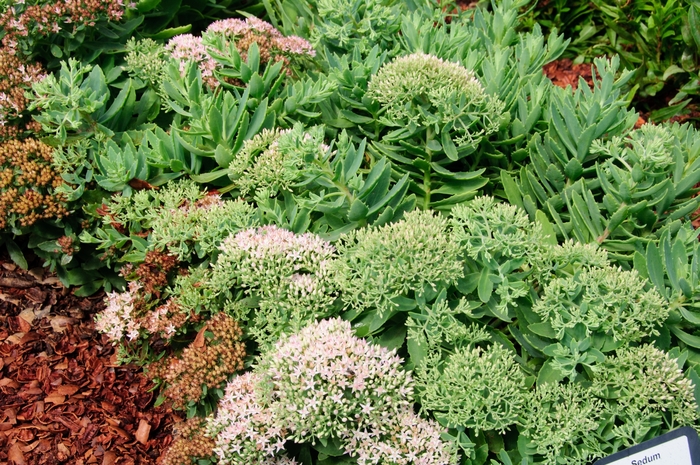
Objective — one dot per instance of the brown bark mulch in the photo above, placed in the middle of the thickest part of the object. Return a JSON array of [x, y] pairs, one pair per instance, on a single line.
[[63, 397]]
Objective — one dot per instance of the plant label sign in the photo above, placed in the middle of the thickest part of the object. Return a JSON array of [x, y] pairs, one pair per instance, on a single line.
[[679, 447]]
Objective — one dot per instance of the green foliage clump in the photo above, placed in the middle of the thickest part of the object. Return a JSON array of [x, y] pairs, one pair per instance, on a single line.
[[499, 244], [180, 219], [441, 325], [146, 60], [482, 389], [561, 421], [632, 396], [492, 231], [346, 25], [378, 265], [273, 160], [607, 302], [646, 392]]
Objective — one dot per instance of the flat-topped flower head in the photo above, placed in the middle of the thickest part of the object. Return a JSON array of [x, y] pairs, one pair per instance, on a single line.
[[326, 382], [645, 382], [409, 440], [273, 161], [229, 26], [424, 90], [119, 319], [483, 389], [273, 241], [606, 301], [378, 264], [287, 273]]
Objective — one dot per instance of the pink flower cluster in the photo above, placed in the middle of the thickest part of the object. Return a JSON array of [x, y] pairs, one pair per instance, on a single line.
[[118, 319], [237, 28], [158, 321], [47, 18], [244, 427], [272, 241], [186, 47], [409, 440], [326, 383], [271, 43]]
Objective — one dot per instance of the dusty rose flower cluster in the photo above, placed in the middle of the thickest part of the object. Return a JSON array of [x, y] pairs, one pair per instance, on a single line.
[[16, 77], [270, 41], [206, 361], [47, 18], [326, 383], [272, 45], [187, 47], [189, 442]]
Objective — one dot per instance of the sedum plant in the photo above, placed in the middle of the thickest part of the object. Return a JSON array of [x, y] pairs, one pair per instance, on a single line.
[[16, 77], [646, 392], [343, 25], [271, 280], [180, 219], [28, 185], [499, 243], [383, 270], [145, 60], [634, 395], [608, 302], [480, 389], [78, 103], [325, 188], [649, 177], [423, 92], [437, 113], [273, 161], [561, 420], [286, 278], [327, 387]]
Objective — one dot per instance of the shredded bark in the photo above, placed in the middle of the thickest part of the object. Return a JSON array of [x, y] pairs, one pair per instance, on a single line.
[[63, 397]]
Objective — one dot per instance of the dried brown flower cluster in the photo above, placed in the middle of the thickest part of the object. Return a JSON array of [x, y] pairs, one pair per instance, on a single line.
[[27, 183], [205, 361], [50, 17], [66, 244], [189, 443], [16, 77], [153, 272]]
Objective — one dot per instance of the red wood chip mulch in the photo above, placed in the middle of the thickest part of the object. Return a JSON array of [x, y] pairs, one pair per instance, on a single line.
[[63, 399]]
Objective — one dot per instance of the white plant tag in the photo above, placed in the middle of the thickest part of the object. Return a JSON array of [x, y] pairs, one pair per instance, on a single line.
[[679, 447]]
